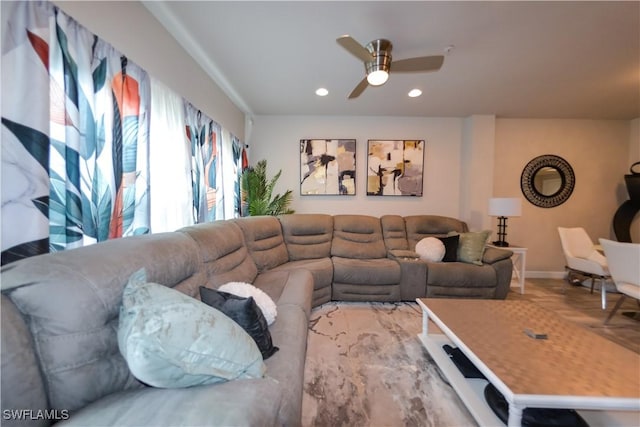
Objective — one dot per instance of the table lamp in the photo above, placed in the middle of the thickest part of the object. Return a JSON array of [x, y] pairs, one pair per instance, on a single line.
[[504, 207]]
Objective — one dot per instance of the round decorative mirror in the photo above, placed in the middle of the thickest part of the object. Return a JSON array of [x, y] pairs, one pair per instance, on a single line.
[[547, 181]]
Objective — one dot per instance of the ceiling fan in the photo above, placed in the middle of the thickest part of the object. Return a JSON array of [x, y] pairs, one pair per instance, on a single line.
[[376, 56]]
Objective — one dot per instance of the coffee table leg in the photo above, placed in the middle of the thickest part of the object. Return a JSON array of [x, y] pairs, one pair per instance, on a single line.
[[425, 323], [515, 416]]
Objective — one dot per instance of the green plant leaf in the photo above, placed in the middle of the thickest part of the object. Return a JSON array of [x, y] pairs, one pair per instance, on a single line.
[[258, 191]]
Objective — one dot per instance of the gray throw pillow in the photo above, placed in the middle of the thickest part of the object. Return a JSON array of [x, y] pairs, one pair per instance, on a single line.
[[171, 340], [471, 246]]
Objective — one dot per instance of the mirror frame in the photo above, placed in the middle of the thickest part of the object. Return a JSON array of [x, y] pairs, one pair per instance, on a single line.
[[566, 187]]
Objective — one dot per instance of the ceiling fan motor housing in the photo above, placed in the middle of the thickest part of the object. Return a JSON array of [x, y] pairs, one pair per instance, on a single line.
[[381, 51]]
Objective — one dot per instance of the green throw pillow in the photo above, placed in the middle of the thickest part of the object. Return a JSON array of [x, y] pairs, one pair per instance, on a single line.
[[471, 246], [171, 340]]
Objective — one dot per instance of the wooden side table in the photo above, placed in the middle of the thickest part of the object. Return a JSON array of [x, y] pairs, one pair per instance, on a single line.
[[519, 260]]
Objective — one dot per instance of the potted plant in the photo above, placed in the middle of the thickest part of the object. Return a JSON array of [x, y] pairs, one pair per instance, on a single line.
[[257, 192]]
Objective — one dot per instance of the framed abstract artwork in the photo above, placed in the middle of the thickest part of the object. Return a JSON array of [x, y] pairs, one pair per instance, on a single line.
[[395, 167], [328, 167]]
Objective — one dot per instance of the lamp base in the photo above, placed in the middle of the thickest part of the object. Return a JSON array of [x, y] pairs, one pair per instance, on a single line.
[[501, 244]]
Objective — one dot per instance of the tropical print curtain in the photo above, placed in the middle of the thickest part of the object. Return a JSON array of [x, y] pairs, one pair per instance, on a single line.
[[203, 135], [240, 163], [25, 129], [98, 165], [87, 149], [81, 143]]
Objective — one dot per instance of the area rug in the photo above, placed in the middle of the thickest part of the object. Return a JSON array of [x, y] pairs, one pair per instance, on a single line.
[[366, 367]]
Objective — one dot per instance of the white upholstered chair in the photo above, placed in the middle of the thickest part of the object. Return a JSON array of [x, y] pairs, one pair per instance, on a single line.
[[624, 266], [583, 258]]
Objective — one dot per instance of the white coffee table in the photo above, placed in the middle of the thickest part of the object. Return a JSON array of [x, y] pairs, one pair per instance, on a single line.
[[573, 368]]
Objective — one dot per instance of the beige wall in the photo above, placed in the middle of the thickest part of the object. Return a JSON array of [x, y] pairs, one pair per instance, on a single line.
[[132, 29], [598, 152], [477, 166], [276, 138]]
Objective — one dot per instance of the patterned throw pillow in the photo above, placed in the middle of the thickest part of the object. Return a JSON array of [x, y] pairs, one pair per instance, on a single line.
[[171, 340]]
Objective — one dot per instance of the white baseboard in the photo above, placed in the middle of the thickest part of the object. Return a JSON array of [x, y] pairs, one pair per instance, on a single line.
[[545, 274], [611, 287]]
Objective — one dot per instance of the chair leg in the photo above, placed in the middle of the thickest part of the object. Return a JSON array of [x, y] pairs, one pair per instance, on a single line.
[[603, 292], [593, 281], [615, 308]]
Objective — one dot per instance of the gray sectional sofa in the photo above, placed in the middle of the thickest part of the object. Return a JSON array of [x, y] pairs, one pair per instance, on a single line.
[[60, 356]]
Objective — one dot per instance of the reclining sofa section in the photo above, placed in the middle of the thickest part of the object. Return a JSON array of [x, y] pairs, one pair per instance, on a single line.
[[60, 311]]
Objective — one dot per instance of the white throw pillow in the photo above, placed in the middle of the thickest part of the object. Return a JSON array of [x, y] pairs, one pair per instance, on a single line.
[[246, 290], [171, 340], [430, 249]]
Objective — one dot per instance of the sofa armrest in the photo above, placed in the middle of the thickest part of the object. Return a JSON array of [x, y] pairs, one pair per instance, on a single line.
[[493, 255]]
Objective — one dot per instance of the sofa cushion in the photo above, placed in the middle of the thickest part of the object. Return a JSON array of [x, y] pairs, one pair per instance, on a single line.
[[223, 252], [357, 237], [263, 237], [307, 236], [255, 402], [322, 271], [461, 280], [472, 245], [246, 313], [22, 386], [394, 232], [246, 290], [366, 271], [287, 288], [421, 226], [461, 274], [171, 340]]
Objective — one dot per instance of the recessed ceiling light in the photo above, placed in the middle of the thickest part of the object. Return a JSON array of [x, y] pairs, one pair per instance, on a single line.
[[322, 92], [415, 93]]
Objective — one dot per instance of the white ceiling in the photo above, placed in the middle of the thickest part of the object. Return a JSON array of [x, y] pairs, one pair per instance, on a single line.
[[512, 59]]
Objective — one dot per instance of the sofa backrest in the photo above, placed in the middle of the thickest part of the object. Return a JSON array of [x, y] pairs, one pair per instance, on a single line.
[[22, 384], [263, 237], [394, 232], [357, 236], [223, 252], [421, 226], [307, 236], [71, 302]]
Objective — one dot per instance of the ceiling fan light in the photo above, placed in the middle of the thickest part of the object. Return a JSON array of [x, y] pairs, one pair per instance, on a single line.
[[377, 78]]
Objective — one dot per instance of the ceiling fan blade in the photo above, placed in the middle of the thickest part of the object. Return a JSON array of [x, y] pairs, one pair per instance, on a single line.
[[423, 63], [355, 48], [359, 89]]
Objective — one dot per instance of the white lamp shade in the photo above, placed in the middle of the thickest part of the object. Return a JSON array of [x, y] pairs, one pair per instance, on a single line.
[[505, 206]]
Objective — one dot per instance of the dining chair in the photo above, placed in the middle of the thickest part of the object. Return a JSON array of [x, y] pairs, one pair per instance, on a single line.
[[624, 266], [583, 258]]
